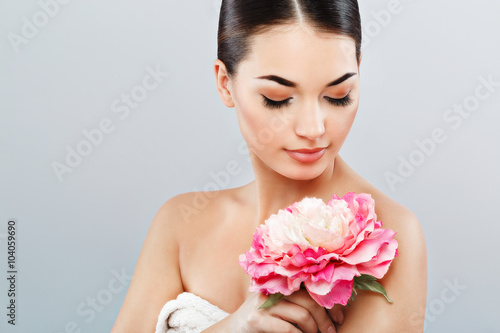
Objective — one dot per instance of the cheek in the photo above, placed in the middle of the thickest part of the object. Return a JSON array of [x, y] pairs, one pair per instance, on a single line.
[[253, 120], [259, 126], [248, 117], [339, 125]]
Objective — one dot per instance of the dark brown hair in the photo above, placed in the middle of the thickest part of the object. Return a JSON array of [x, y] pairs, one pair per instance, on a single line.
[[240, 20]]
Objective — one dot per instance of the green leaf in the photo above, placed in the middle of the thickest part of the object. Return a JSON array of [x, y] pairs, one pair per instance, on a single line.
[[271, 300], [368, 282], [354, 293], [364, 278]]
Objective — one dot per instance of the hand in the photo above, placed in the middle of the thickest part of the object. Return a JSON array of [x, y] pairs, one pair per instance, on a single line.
[[295, 313]]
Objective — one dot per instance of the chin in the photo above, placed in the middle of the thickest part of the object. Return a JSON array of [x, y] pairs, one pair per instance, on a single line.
[[304, 172], [288, 168]]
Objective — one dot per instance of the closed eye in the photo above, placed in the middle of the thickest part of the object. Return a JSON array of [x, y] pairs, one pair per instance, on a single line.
[[340, 102], [271, 104]]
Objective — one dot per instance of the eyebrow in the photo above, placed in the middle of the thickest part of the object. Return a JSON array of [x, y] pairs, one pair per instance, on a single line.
[[288, 83]]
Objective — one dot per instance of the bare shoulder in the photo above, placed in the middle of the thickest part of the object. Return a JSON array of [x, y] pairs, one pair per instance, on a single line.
[[412, 249], [399, 218], [156, 278], [393, 214], [179, 211], [201, 216], [211, 232], [409, 232], [406, 280], [192, 212]]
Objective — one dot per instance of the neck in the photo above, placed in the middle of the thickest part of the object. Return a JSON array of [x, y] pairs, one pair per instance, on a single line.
[[273, 192]]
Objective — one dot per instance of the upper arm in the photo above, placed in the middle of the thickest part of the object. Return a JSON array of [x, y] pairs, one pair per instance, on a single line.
[[156, 277], [405, 283]]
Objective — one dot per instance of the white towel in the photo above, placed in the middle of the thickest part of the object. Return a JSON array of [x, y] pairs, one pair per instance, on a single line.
[[188, 313]]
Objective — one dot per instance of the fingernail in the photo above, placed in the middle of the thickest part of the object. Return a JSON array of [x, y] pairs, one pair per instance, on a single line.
[[339, 317], [331, 329]]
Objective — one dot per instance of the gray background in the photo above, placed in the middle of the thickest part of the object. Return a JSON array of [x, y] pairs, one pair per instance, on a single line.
[[75, 235]]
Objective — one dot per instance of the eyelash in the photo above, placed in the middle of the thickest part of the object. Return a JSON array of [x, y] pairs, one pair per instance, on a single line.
[[343, 102]]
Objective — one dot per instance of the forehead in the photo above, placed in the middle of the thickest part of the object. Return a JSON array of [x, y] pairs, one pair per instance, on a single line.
[[300, 53]]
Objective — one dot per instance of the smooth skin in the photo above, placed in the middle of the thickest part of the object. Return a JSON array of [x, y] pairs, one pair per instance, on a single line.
[[197, 249]]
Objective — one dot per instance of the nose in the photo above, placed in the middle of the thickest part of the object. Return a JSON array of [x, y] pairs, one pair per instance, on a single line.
[[310, 122]]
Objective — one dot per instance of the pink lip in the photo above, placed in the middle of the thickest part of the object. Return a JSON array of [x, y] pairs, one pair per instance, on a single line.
[[306, 155]]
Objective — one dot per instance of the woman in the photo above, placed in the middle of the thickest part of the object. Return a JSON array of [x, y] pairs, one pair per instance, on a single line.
[[290, 69]]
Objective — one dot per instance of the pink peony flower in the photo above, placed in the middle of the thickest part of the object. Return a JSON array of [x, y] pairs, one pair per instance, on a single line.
[[322, 246]]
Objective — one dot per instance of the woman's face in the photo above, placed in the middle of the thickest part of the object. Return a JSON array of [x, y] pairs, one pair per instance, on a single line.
[[296, 97]]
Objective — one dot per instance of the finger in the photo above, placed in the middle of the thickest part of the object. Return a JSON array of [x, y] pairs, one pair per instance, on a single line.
[[319, 314], [266, 323], [293, 313], [337, 313], [279, 325]]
